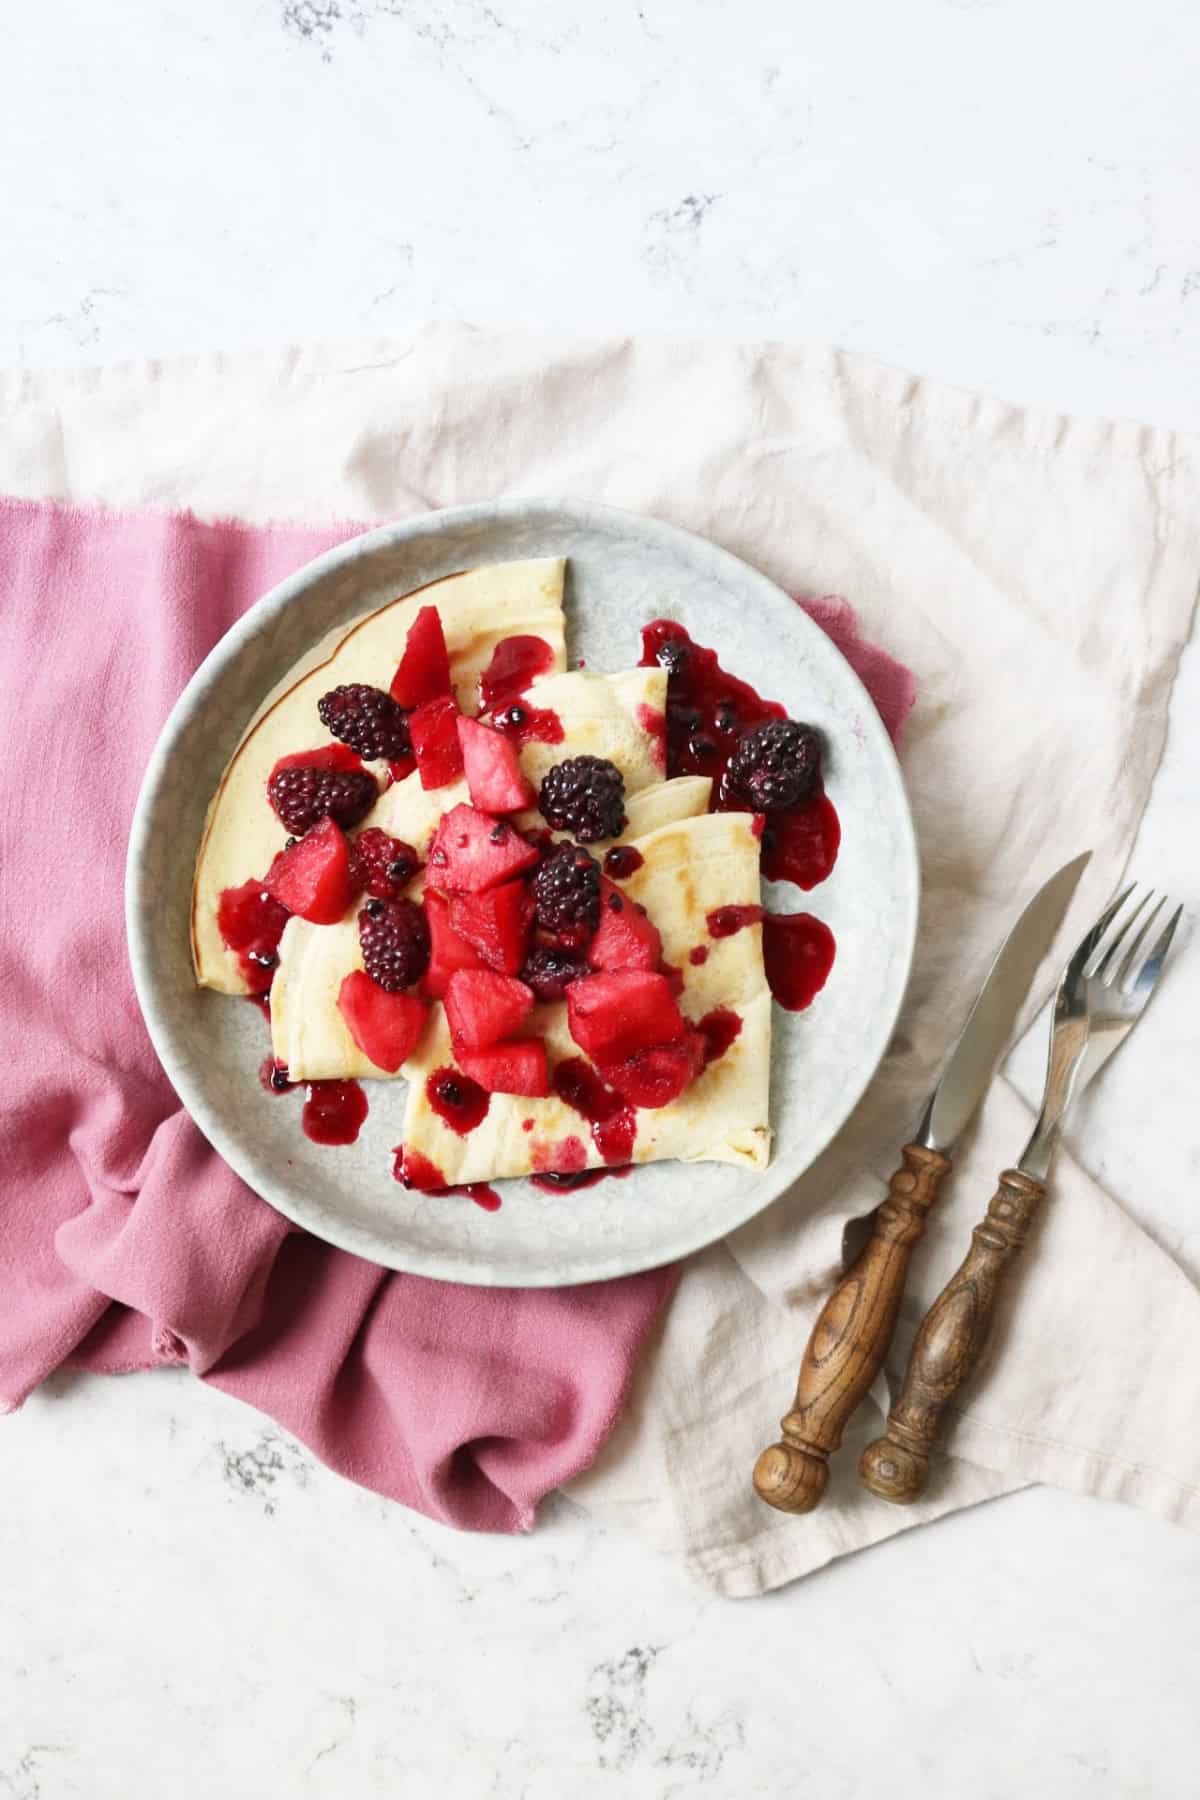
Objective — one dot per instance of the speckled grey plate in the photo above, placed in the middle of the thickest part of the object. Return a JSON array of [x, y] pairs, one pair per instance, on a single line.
[[623, 571]]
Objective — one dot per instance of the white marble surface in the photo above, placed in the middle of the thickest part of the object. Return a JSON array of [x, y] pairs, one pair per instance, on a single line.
[[995, 191]]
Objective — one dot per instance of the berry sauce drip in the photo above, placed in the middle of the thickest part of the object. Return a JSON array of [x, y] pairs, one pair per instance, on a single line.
[[412, 1170], [654, 724], [251, 924], [802, 846], [526, 724], [329, 756], [516, 661], [554, 1183], [457, 1100], [333, 1111], [719, 1028], [566, 1158], [261, 1004], [480, 1192], [798, 951], [622, 861], [613, 1124], [698, 954], [723, 921], [273, 1076], [707, 709]]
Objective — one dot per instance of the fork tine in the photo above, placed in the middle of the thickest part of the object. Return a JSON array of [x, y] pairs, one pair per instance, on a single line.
[[1100, 970], [1151, 969], [1130, 957], [1090, 942], [1093, 937]]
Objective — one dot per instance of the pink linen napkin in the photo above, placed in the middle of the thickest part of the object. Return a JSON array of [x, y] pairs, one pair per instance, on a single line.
[[125, 1241]]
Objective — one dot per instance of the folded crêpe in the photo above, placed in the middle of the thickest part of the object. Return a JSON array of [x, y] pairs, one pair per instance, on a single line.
[[693, 862], [691, 867], [242, 833]]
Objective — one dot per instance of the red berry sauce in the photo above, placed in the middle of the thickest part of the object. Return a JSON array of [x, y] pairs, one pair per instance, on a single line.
[[654, 724], [707, 709], [480, 1192], [261, 1004], [622, 861], [802, 846], [526, 724], [516, 661], [723, 921], [457, 1100], [798, 951], [613, 1123], [273, 1076], [567, 1158], [553, 1183], [698, 954], [329, 756], [251, 924], [412, 1170], [719, 1029], [333, 1111]]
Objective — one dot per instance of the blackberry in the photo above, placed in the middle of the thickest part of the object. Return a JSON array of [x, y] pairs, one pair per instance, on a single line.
[[549, 972], [383, 865], [368, 720], [586, 796], [305, 793], [776, 765], [566, 892], [395, 943]]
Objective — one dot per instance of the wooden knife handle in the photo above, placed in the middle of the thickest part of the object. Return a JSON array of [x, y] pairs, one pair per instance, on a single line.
[[949, 1344], [849, 1340]]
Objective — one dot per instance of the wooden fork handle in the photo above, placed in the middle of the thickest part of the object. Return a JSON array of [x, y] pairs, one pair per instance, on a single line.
[[849, 1340], [949, 1344]]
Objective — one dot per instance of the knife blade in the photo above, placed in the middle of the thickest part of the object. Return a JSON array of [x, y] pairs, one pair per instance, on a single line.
[[972, 1062]]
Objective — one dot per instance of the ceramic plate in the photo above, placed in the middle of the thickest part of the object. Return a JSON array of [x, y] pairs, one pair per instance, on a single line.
[[623, 571]]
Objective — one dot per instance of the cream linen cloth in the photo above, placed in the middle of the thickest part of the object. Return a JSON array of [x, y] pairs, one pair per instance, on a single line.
[[1038, 573]]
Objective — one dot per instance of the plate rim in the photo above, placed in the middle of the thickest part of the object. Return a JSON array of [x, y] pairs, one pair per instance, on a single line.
[[445, 522]]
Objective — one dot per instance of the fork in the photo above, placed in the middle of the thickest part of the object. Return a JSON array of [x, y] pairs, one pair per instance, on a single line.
[[1099, 1001]]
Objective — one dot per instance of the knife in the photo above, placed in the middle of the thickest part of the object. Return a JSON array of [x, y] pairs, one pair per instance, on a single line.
[[1099, 1001], [854, 1329]]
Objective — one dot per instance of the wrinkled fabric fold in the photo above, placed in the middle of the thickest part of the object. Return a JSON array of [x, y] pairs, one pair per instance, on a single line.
[[125, 1241], [1039, 572]]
